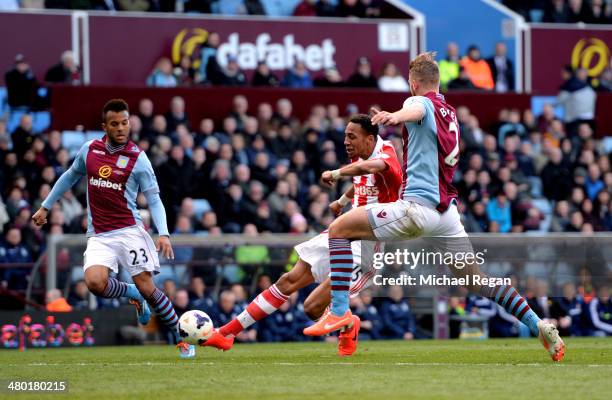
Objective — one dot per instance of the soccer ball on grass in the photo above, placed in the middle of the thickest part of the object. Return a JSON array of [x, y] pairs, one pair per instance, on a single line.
[[195, 327]]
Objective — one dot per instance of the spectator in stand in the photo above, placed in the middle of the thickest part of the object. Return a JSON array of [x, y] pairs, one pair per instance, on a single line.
[[600, 312], [66, 71], [23, 136], [502, 69], [162, 75], [556, 11], [577, 11], [449, 66], [12, 251], [181, 302], [282, 326], [263, 76], [362, 77], [599, 12], [326, 8], [499, 214], [398, 320], [20, 84], [391, 80], [306, 8], [556, 177], [184, 72], [297, 77], [461, 82], [568, 311], [232, 74], [177, 115], [605, 80], [577, 98], [371, 322], [226, 312], [477, 69], [79, 296], [350, 8], [331, 78], [210, 70]]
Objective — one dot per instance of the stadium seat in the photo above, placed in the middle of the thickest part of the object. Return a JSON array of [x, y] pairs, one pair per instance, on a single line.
[[538, 102], [536, 15], [91, 135], [41, 121], [607, 144], [14, 119], [200, 206], [72, 141]]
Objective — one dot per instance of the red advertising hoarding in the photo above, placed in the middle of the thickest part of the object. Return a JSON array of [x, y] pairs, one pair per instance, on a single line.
[[553, 47], [124, 49]]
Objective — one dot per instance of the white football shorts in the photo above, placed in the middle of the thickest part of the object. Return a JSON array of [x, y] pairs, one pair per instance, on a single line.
[[316, 253], [132, 248]]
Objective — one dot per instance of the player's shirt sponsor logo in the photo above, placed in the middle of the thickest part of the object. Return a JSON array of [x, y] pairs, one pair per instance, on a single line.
[[103, 183], [366, 191], [105, 171], [122, 161], [382, 214]]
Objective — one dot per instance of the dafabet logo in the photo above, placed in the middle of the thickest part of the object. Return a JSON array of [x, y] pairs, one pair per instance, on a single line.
[[105, 171], [278, 56], [591, 54]]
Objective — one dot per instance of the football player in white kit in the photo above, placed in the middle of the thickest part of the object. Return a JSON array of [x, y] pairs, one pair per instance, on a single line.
[[376, 178]]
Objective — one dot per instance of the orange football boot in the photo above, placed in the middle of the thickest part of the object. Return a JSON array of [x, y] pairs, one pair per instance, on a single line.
[[329, 323]]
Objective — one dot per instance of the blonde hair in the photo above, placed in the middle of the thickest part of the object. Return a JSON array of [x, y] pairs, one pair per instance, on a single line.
[[424, 69]]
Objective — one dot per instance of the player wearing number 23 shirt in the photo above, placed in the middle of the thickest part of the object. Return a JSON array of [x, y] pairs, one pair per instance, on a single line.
[[116, 170]]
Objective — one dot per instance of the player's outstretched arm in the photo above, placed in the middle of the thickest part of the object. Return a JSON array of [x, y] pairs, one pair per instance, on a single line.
[[338, 205], [63, 184], [411, 112], [358, 168]]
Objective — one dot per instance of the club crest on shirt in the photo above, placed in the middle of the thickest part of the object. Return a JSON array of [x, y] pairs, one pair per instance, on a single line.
[[122, 161]]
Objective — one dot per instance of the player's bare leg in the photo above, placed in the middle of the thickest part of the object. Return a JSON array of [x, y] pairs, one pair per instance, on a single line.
[[509, 298], [318, 300], [352, 225], [99, 283], [315, 306], [264, 304]]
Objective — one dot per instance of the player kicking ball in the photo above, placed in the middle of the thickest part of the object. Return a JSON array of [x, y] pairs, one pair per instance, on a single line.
[[427, 204], [116, 170], [377, 178]]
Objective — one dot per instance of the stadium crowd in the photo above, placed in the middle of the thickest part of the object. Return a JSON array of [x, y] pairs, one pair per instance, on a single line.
[[273, 8], [563, 11]]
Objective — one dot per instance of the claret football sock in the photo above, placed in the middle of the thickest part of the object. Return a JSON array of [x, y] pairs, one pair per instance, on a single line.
[[515, 304], [115, 289], [264, 304], [341, 266], [165, 311]]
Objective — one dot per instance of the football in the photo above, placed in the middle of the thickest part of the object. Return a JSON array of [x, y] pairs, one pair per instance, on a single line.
[[195, 327]]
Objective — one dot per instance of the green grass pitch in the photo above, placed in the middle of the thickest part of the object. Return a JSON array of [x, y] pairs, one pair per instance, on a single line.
[[492, 369]]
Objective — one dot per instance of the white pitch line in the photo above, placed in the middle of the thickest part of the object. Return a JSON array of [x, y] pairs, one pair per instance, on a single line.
[[396, 364]]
